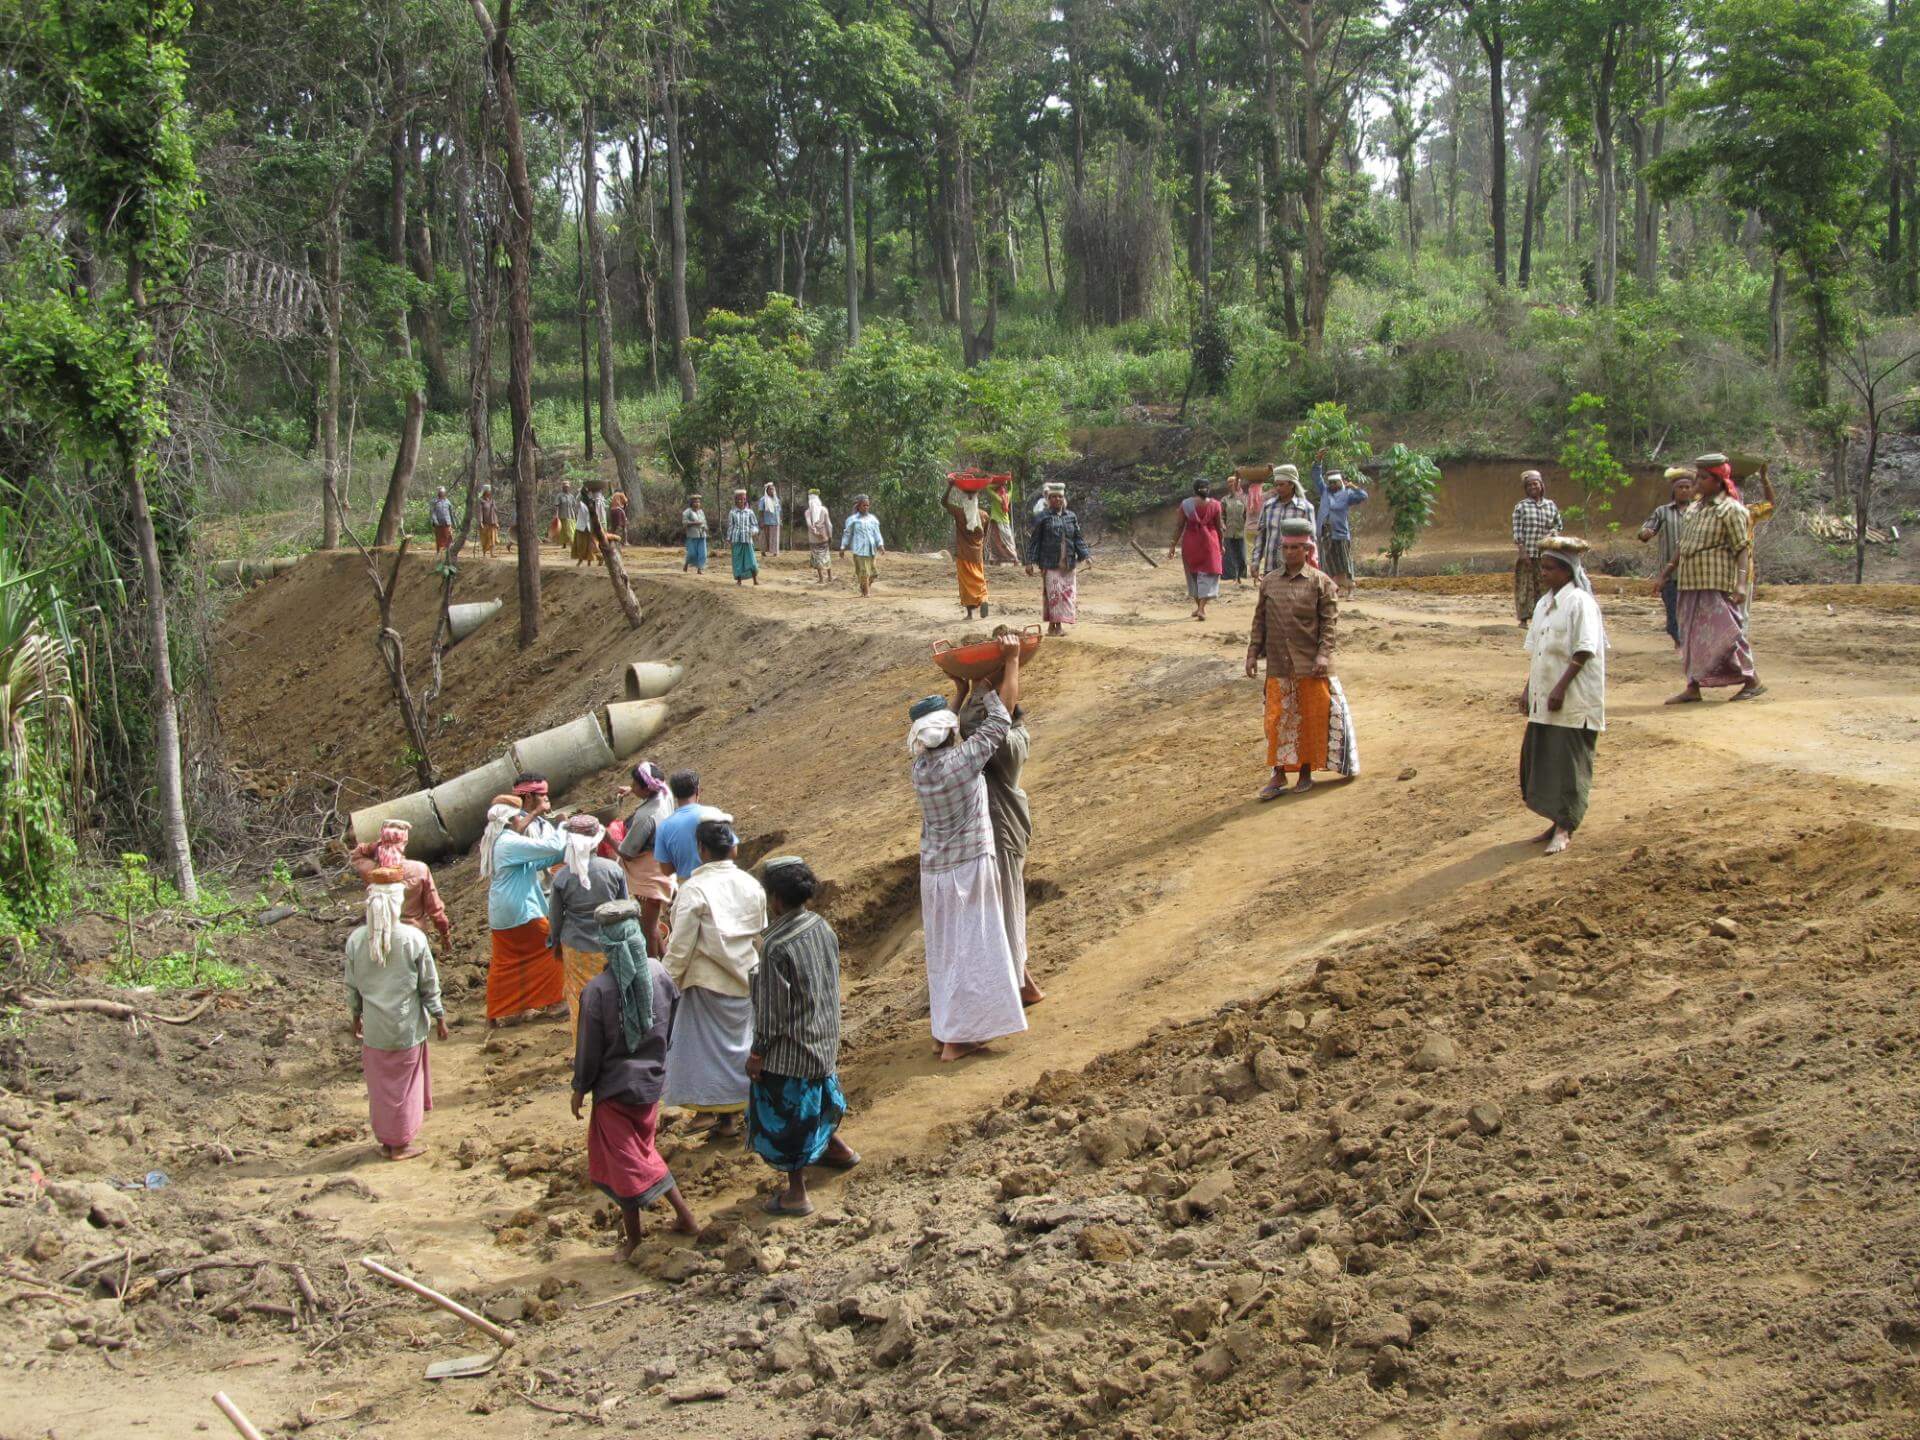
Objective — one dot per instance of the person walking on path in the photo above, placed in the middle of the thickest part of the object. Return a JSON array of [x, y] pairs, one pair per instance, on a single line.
[[587, 882], [1295, 626], [422, 905], [591, 505], [794, 1100], [1337, 499], [620, 1051], [650, 880], [617, 520], [718, 914], [693, 523], [1000, 524], [741, 530], [1256, 493], [973, 985], [489, 522], [1283, 503], [524, 975], [1009, 812], [1057, 549], [767, 510], [969, 548], [566, 509], [1664, 525], [1565, 696], [1233, 529], [673, 839], [440, 516], [393, 994], [1709, 568], [1198, 541], [862, 536], [1534, 518], [819, 521]]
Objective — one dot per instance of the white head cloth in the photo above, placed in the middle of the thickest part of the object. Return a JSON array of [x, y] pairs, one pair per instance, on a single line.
[[383, 918], [580, 847], [931, 731], [497, 819]]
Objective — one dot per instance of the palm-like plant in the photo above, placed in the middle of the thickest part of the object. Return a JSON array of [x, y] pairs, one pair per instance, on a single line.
[[44, 747]]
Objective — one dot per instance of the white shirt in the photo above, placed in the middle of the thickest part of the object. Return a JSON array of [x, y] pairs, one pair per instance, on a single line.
[[718, 914], [1565, 622]]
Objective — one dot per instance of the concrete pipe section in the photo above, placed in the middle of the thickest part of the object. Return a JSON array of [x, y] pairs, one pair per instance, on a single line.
[[429, 836], [463, 620], [462, 801], [452, 815], [632, 723], [251, 572], [650, 679], [566, 753]]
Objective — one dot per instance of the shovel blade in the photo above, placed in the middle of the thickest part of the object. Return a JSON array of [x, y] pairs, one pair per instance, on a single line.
[[462, 1365]]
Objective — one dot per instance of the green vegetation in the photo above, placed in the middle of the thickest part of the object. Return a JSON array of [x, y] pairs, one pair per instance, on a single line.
[[1410, 482], [195, 969], [1590, 464]]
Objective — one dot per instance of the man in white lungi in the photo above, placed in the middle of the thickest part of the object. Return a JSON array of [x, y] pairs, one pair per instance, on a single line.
[[973, 980]]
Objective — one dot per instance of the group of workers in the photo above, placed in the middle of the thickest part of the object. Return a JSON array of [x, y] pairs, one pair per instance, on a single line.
[[689, 982], [1238, 536]]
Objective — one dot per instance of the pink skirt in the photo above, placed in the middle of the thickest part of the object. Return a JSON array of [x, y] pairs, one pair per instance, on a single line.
[[647, 878], [1060, 595], [399, 1092], [1713, 642], [622, 1158]]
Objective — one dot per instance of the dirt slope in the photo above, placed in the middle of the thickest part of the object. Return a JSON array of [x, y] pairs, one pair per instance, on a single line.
[[1653, 1184]]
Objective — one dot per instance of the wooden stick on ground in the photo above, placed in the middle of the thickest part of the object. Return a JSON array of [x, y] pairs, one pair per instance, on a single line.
[[1142, 554], [238, 1420], [113, 1009], [452, 1307]]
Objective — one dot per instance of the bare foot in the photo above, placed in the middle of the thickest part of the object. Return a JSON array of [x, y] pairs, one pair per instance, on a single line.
[[1561, 839], [685, 1225], [623, 1252], [1689, 696], [960, 1052], [407, 1152], [1030, 993]]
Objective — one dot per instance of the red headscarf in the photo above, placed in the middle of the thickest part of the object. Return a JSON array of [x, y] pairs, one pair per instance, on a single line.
[[1723, 472]]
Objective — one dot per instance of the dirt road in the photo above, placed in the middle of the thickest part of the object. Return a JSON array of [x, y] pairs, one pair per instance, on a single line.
[[1176, 924]]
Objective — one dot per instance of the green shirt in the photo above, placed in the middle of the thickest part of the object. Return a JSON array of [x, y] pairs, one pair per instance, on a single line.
[[394, 1001]]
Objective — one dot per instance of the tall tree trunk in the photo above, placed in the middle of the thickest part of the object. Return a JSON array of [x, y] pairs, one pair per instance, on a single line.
[[1777, 317], [1493, 41], [677, 210], [1894, 176], [850, 238], [1259, 224], [941, 208], [480, 314], [169, 780], [1046, 234], [581, 306], [867, 294], [406, 455], [610, 428], [1279, 136], [426, 314], [1536, 153], [330, 406], [1606, 212], [526, 500]]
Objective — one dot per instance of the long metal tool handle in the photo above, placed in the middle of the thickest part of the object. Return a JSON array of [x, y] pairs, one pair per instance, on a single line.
[[452, 1307], [238, 1421]]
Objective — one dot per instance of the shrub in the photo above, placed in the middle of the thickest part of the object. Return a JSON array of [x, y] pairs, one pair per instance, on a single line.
[[1410, 481]]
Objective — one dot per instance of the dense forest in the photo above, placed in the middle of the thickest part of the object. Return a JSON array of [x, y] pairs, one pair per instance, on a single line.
[[307, 259]]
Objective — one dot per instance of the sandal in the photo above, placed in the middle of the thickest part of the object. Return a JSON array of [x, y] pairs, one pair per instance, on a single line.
[[1751, 692], [773, 1207], [847, 1164], [1273, 790]]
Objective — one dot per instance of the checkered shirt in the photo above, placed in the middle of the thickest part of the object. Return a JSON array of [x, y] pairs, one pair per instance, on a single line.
[[1533, 521], [1714, 538], [1275, 513], [955, 826], [743, 527]]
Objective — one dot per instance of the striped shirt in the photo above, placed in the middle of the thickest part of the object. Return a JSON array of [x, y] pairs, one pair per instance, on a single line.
[[1665, 525], [1275, 513], [955, 824], [796, 998], [1533, 521], [1714, 539], [742, 528]]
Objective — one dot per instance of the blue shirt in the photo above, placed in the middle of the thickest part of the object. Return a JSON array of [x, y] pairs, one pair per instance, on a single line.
[[673, 843], [1334, 505], [742, 528], [862, 535], [514, 897]]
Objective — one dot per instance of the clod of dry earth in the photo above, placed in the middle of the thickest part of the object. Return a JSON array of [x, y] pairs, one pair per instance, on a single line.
[[1351, 1119]]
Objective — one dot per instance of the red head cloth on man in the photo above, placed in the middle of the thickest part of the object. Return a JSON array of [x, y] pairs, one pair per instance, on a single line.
[[535, 787], [391, 848]]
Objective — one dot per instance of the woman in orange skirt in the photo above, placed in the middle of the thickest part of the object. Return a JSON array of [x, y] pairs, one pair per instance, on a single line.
[[525, 973]]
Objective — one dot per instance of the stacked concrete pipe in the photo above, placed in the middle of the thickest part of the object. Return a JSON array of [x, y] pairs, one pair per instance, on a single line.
[[252, 572], [452, 815]]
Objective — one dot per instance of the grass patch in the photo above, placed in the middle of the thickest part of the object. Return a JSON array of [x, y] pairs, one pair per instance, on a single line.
[[178, 970]]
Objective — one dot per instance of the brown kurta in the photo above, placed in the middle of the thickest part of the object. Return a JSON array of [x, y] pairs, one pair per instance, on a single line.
[[1295, 621]]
